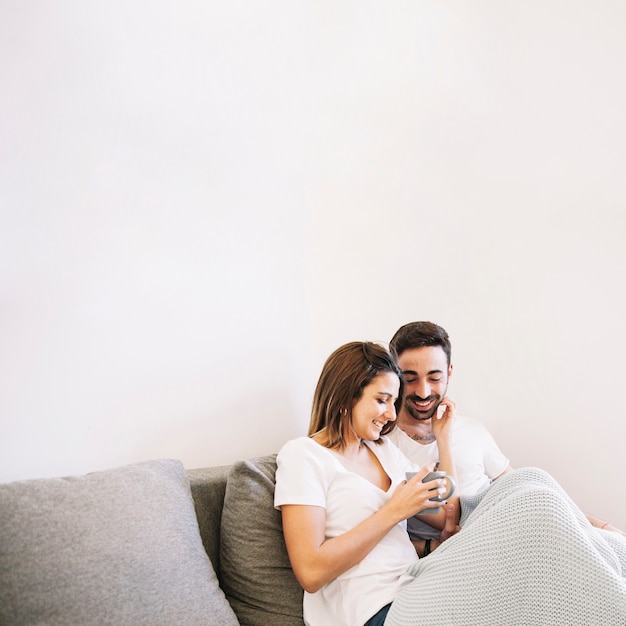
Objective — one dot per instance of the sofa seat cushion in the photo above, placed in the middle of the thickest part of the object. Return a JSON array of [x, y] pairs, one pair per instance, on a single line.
[[120, 546], [255, 570]]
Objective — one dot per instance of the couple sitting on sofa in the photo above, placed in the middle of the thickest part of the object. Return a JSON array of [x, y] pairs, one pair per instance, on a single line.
[[518, 551], [155, 544]]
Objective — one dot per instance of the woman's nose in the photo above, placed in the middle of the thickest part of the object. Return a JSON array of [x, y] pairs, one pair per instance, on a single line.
[[390, 413]]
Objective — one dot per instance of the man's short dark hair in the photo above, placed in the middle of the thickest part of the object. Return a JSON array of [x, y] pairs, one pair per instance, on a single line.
[[419, 335]]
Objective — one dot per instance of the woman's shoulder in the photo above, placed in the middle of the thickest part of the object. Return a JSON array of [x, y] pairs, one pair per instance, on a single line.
[[298, 443], [300, 447], [305, 464]]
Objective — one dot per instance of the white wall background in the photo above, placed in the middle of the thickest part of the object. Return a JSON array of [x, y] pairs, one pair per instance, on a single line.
[[200, 201]]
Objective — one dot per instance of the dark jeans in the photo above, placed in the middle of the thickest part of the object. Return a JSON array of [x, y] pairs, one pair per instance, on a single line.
[[379, 618]]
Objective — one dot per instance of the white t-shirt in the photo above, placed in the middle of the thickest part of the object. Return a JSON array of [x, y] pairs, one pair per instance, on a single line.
[[477, 458], [309, 474]]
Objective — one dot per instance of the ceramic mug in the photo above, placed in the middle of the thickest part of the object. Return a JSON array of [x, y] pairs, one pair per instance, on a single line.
[[438, 498]]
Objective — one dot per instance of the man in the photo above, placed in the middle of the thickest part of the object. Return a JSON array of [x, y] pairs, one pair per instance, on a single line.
[[423, 351]]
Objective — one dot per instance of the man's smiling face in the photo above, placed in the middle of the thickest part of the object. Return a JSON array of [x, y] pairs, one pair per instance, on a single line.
[[426, 373]]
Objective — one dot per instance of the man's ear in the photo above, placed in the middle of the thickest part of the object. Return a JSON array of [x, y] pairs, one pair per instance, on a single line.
[[450, 368]]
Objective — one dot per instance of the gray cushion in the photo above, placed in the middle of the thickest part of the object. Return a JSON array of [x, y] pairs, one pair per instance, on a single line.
[[256, 575], [115, 547]]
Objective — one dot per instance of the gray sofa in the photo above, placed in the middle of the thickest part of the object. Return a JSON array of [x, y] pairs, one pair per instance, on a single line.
[[149, 543]]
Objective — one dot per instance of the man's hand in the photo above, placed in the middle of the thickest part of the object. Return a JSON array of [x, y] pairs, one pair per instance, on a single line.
[[442, 420], [450, 527]]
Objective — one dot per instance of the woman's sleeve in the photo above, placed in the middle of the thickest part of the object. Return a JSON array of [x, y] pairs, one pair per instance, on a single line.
[[302, 475]]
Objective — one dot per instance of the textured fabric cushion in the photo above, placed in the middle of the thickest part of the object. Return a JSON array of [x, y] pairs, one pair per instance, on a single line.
[[115, 547], [255, 570]]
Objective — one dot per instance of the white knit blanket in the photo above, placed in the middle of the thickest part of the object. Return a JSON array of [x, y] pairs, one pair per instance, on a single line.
[[526, 556]]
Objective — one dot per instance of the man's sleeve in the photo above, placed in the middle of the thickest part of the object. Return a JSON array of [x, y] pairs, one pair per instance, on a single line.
[[494, 460]]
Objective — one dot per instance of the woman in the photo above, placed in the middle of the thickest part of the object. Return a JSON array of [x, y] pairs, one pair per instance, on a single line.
[[344, 502]]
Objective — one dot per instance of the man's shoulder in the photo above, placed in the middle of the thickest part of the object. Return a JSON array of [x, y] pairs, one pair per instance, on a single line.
[[464, 421], [470, 427]]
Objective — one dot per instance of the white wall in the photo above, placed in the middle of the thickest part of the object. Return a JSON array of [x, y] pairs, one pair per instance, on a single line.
[[200, 201]]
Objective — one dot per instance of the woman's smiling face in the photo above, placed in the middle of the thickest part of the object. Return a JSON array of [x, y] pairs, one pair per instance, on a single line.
[[376, 406]]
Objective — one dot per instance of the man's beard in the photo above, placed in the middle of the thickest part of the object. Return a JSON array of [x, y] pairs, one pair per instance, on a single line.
[[422, 416]]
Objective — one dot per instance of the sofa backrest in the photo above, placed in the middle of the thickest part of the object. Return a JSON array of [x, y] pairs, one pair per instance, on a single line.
[[208, 486]]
